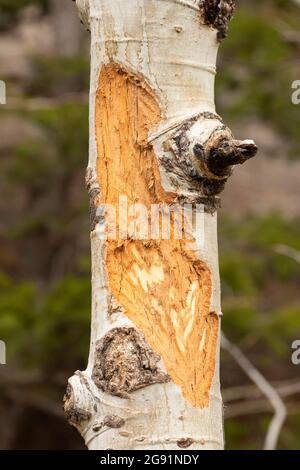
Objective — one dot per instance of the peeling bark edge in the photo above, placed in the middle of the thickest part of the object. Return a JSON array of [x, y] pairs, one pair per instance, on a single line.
[[124, 362], [83, 7], [74, 414], [217, 13], [94, 192], [110, 421]]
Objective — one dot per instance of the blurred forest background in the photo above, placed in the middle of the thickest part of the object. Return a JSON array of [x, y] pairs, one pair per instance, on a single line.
[[44, 220]]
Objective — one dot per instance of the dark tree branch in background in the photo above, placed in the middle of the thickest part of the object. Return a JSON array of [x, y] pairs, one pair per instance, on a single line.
[[288, 251], [250, 392], [265, 387]]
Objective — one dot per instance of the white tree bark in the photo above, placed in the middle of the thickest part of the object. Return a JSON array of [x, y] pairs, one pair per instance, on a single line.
[[152, 380]]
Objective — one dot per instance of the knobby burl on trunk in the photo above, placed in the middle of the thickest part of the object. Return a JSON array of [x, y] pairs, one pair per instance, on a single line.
[[202, 152]]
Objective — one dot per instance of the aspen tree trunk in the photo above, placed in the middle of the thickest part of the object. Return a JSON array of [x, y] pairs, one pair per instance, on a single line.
[[152, 380]]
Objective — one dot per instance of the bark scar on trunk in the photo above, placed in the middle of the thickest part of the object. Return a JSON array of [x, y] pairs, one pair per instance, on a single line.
[[124, 362], [163, 286]]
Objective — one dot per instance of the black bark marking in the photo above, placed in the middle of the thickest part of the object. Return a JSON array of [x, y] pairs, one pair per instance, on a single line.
[[217, 13], [185, 443], [124, 362], [225, 153], [111, 421]]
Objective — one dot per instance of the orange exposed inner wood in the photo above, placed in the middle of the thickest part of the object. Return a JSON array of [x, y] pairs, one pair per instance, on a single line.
[[162, 286]]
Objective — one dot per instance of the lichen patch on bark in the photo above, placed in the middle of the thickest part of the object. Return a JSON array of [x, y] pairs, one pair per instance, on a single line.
[[110, 421], [164, 289]]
